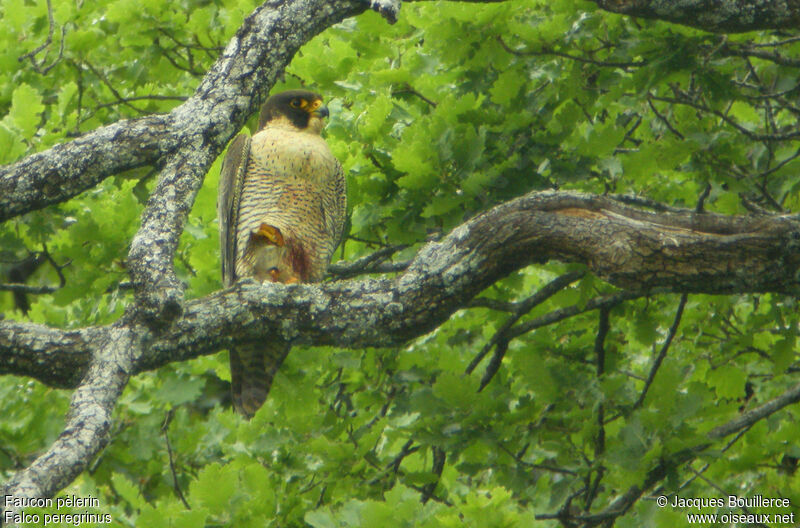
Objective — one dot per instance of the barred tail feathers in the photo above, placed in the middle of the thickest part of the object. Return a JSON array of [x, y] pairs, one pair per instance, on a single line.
[[253, 367]]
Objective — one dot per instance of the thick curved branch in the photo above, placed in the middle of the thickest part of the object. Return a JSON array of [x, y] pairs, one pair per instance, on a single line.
[[227, 96], [631, 248], [712, 15], [58, 358], [88, 420], [59, 173], [634, 249], [667, 465]]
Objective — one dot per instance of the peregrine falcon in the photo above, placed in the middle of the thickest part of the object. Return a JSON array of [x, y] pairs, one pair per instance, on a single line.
[[281, 208]]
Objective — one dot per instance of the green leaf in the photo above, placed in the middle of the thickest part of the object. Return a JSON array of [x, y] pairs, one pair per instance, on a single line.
[[375, 117], [177, 391], [26, 109], [507, 86], [65, 97], [127, 490], [321, 518], [728, 381], [214, 487], [783, 353], [11, 145]]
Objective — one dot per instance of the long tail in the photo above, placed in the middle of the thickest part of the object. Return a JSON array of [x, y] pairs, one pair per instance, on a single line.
[[253, 368]]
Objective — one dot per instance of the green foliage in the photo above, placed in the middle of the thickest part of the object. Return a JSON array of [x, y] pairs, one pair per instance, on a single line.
[[452, 110]]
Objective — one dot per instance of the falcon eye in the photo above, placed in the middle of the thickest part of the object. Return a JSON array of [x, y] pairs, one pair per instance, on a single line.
[[296, 103]]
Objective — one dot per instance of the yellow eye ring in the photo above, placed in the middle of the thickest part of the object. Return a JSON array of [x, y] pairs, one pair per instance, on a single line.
[[296, 103]]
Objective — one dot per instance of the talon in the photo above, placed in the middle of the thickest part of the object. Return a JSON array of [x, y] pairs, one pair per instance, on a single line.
[[270, 234], [274, 273]]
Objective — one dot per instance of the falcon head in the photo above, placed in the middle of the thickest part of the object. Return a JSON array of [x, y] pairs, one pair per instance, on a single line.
[[300, 109]]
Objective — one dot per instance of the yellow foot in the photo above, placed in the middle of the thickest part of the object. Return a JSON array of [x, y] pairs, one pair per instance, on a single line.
[[274, 274], [269, 234]]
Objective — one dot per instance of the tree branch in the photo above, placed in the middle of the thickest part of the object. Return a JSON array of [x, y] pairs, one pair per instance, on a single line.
[[670, 462], [58, 358], [61, 172], [711, 15], [663, 352], [500, 338], [227, 96], [641, 251], [88, 420]]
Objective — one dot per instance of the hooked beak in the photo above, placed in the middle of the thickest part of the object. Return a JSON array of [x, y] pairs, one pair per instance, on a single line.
[[321, 112]]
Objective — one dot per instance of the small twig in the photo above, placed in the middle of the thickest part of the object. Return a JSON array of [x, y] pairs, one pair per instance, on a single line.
[[629, 133], [702, 470], [407, 89], [780, 165], [753, 207], [701, 200], [751, 135], [20, 287], [27, 288], [111, 88], [641, 201], [773, 44], [56, 266], [368, 242], [321, 499], [197, 46], [547, 51], [520, 309], [126, 100], [663, 352], [564, 513], [211, 52], [542, 467], [18, 462], [500, 349], [175, 484], [492, 304], [777, 58], [663, 119], [439, 458], [571, 311], [406, 450], [373, 263], [391, 393], [603, 327], [166, 55], [763, 96], [770, 199], [39, 66]]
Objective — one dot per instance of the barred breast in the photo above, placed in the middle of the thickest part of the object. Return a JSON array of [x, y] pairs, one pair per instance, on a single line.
[[295, 184]]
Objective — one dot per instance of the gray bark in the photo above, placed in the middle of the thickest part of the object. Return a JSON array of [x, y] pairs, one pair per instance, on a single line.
[[641, 251], [635, 249], [184, 143], [716, 16]]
